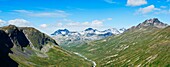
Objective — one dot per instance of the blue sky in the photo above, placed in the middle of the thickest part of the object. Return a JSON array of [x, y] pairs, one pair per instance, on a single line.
[[76, 15]]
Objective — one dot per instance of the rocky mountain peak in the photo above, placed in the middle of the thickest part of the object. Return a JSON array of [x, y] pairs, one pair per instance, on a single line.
[[10, 29], [112, 30], [61, 31], [122, 30], [90, 29], [152, 22], [11, 26], [24, 36]]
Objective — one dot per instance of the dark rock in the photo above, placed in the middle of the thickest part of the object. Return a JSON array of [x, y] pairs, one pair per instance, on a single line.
[[152, 22], [5, 46], [18, 38], [60, 32]]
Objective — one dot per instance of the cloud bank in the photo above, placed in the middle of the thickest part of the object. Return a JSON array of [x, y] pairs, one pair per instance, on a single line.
[[147, 9], [54, 13], [136, 2]]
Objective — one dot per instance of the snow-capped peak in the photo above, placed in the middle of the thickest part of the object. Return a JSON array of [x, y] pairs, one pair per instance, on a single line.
[[88, 34], [61, 31], [122, 30], [89, 29], [112, 30]]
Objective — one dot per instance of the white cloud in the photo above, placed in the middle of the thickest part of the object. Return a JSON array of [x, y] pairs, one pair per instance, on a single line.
[[59, 24], [22, 11], [54, 13], [43, 25], [48, 14], [147, 9], [109, 1], [109, 19], [97, 23], [94, 23], [136, 2], [163, 6], [86, 23], [2, 22], [163, 12], [20, 22], [74, 25]]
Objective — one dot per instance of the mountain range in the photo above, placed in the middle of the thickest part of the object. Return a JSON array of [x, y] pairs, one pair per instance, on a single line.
[[144, 45], [69, 38]]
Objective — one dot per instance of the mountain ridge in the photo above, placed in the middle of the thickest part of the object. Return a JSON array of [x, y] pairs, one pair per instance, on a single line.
[[67, 38], [27, 46]]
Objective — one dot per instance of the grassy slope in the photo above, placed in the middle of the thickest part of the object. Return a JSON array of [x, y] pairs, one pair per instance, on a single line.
[[32, 56], [138, 47], [57, 57]]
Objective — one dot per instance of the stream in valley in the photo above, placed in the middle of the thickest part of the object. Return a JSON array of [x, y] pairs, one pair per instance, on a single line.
[[93, 62]]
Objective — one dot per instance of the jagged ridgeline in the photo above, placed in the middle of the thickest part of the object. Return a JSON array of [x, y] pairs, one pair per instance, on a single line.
[[26, 46], [144, 45], [66, 38]]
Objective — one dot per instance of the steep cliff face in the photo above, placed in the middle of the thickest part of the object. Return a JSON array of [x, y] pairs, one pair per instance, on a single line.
[[24, 36], [26, 46], [5, 46], [37, 41]]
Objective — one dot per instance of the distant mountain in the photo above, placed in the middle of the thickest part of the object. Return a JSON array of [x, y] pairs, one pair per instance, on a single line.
[[144, 45], [61, 31], [151, 23], [66, 37], [28, 47]]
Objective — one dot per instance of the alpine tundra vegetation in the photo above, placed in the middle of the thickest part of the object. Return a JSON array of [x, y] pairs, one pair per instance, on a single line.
[[146, 44]]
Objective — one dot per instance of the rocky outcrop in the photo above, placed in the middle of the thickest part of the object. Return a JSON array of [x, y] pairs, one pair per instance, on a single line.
[[152, 23], [5, 48], [21, 41], [36, 38], [25, 36]]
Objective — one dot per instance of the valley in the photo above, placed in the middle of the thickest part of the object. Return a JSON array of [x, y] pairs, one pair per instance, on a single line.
[[93, 62], [146, 44]]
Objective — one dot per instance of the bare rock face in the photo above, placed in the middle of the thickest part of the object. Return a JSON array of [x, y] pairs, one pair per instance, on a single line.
[[17, 36], [36, 38], [25, 36], [5, 46], [153, 22]]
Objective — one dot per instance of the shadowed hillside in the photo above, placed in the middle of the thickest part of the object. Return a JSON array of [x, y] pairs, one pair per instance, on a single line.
[[5, 49]]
